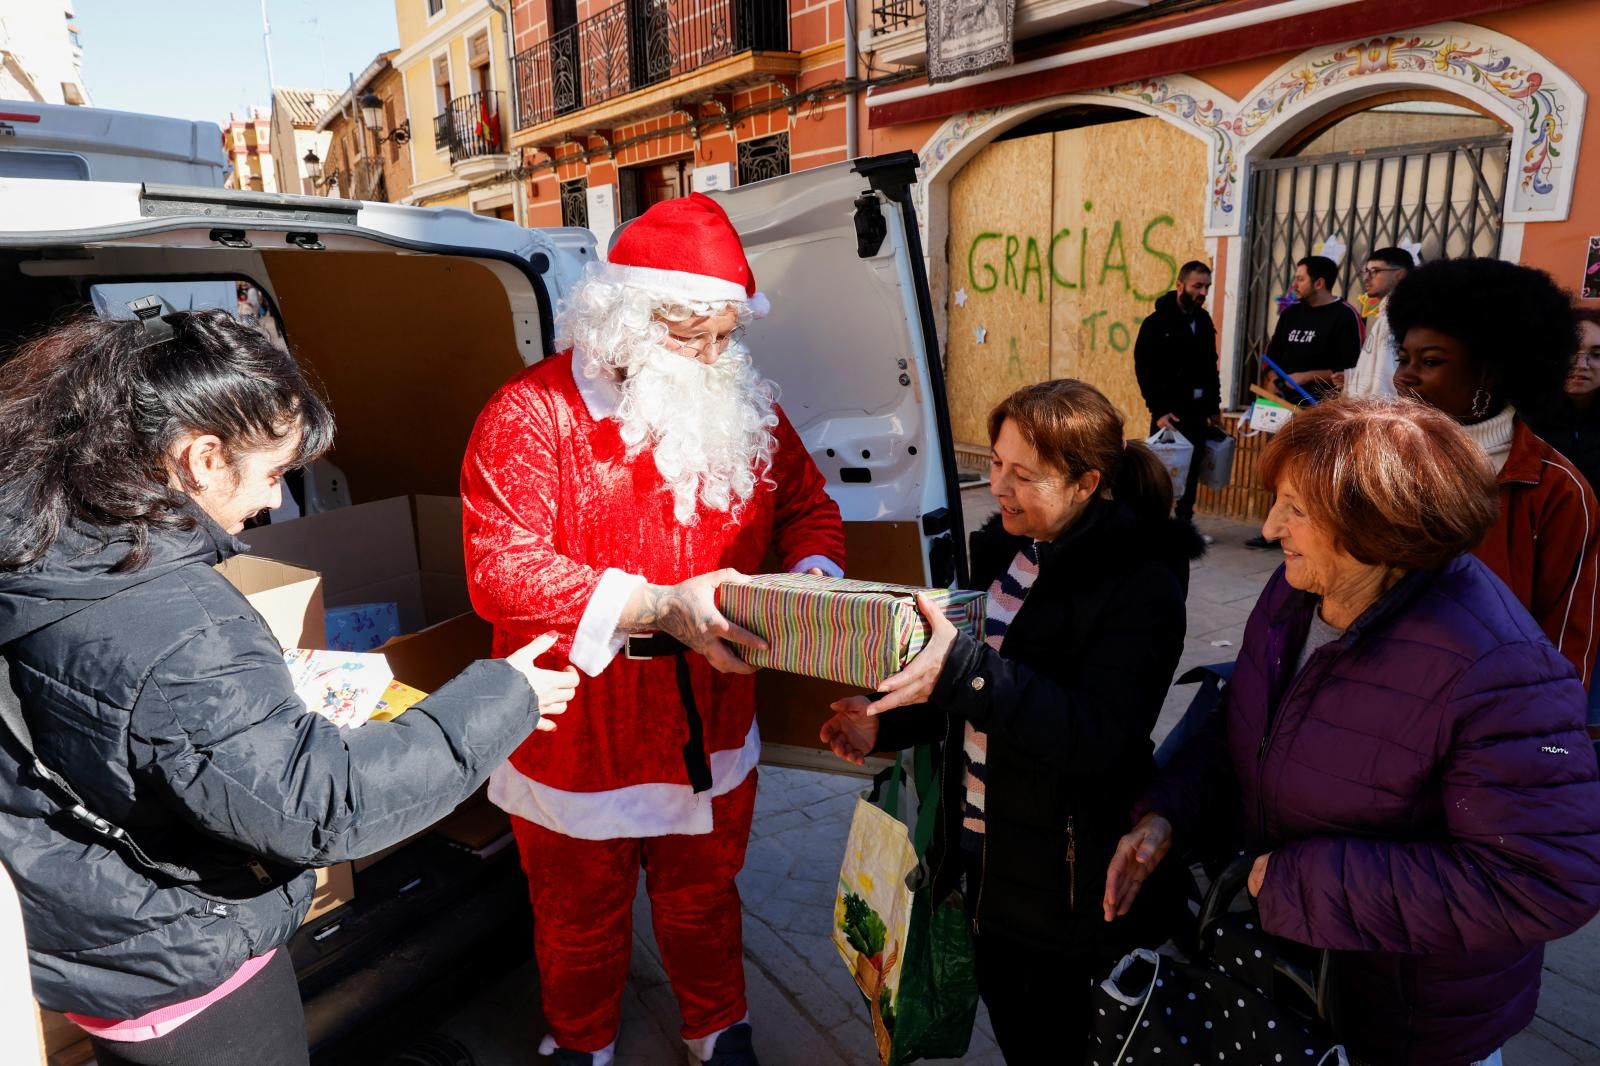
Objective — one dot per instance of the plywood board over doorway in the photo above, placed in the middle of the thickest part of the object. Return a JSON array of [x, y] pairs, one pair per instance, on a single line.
[[1133, 195], [1075, 234], [999, 337]]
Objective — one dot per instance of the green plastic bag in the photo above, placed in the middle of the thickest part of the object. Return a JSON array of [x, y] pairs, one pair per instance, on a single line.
[[911, 956]]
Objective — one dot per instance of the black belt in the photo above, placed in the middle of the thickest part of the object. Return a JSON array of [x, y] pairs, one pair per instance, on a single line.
[[642, 646]]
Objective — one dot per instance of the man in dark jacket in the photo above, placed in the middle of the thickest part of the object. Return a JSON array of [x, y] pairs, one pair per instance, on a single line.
[[1175, 359]]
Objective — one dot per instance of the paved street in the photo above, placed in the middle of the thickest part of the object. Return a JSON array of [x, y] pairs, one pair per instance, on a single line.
[[805, 1006]]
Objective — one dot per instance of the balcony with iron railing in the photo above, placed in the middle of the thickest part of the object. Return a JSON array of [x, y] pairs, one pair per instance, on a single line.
[[895, 31], [470, 128], [636, 45]]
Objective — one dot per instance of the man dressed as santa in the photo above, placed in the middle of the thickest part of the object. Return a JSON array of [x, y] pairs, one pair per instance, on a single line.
[[608, 491]]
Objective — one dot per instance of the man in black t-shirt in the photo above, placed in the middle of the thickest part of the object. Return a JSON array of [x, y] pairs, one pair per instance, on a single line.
[[1316, 337]]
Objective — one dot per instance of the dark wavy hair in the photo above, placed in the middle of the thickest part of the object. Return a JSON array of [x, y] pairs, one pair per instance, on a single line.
[[1075, 429], [90, 410], [1514, 321]]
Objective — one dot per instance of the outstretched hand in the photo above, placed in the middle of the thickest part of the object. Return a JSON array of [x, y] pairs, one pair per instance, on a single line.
[[1136, 858], [852, 732], [554, 688], [916, 682]]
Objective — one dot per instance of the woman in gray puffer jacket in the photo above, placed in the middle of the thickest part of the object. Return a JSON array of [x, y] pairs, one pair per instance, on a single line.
[[130, 453]]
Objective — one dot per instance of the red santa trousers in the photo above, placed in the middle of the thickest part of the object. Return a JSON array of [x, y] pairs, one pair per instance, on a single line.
[[582, 892]]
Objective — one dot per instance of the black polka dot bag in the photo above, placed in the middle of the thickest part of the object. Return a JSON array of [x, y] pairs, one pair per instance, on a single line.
[[1248, 1000]]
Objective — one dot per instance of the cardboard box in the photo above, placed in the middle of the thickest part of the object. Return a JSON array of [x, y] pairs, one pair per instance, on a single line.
[[425, 661], [336, 886], [405, 550], [64, 1043], [477, 825], [428, 659], [288, 597], [855, 632]]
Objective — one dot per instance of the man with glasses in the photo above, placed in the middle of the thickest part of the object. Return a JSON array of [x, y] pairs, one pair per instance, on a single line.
[[1374, 370], [607, 493]]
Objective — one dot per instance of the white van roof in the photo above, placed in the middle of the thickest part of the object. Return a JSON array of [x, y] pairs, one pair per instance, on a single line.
[[85, 143]]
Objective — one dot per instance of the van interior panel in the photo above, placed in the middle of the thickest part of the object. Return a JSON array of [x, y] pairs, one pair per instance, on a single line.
[[408, 352]]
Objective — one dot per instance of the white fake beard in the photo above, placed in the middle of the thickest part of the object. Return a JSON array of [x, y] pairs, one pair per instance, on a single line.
[[709, 428]]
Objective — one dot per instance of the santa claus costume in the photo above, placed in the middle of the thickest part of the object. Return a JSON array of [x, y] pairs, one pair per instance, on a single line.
[[622, 462]]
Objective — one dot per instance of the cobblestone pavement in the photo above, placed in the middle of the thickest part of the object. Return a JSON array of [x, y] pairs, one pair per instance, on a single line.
[[804, 1005]]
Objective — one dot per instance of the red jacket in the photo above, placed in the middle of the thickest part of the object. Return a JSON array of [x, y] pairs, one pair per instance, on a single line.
[[1545, 545]]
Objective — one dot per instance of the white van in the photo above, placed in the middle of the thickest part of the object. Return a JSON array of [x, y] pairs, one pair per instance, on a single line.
[[92, 144], [411, 318]]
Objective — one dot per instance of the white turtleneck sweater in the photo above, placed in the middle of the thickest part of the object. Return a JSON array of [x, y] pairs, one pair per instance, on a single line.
[[1493, 435]]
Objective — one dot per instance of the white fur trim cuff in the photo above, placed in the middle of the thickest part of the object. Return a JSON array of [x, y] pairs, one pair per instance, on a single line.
[[676, 284], [597, 641], [603, 1057], [817, 562], [655, 809], [703, 1048]]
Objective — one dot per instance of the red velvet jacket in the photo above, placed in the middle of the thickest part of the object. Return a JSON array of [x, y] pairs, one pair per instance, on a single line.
[[553, 504], [1546, 545]]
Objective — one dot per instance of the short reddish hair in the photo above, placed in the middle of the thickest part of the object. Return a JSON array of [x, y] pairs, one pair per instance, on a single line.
[[1396, 482]]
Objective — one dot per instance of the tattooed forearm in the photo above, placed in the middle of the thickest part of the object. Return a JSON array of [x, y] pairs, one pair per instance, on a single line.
[[673, 609]]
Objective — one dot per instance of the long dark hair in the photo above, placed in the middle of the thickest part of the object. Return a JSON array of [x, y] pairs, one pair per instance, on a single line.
[[1076, 429], [89, 411]]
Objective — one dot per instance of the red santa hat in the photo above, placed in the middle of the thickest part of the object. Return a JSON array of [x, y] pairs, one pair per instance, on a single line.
[[686, 249]]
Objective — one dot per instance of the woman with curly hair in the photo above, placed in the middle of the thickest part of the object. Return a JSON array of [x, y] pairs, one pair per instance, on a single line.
[[1489, 343]]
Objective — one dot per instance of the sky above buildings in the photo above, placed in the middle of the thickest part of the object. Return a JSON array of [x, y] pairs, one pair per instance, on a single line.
[[201, 59]]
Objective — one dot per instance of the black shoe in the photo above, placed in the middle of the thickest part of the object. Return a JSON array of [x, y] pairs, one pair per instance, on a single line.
[[1258, 541], [735, 1047], [566, 1057]]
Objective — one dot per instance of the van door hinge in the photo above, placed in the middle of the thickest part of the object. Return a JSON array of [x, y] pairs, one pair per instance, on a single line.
[[230, 238], [871, 229], [307, 241]]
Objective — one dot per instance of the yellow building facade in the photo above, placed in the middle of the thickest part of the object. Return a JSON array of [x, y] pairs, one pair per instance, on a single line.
[[455, 67]]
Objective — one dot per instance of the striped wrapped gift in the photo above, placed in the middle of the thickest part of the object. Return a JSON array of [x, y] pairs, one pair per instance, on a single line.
[[855, 632]]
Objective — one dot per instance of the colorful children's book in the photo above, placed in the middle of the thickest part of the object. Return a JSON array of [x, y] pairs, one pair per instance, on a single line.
[[344, 687]]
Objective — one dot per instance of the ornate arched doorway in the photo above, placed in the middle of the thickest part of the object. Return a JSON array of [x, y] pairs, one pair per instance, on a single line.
[[1421, 171]]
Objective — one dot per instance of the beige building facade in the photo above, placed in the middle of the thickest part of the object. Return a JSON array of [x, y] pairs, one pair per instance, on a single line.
[[455, 70], [363, 163], [294, 133]]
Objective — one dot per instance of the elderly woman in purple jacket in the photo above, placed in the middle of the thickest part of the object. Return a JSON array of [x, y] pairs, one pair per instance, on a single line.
[[1405, 747]]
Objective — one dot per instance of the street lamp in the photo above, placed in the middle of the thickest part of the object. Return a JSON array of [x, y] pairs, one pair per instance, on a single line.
[[372, 117], [313, 169]]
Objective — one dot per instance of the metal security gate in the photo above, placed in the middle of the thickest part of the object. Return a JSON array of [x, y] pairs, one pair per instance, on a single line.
[[1447, 196]]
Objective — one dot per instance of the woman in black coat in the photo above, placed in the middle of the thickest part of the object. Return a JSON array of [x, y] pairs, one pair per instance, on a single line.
[[130, 454], [1046, 723]]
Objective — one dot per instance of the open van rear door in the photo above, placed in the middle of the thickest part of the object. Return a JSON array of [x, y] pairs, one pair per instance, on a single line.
[[851, 344]]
